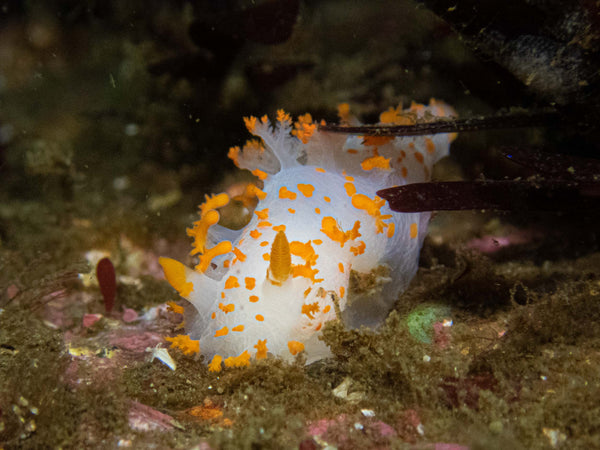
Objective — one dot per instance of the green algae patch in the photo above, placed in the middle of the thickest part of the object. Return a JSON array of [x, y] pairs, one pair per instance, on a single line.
[[420, 321]]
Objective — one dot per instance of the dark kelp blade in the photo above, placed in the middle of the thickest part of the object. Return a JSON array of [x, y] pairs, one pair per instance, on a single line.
[[516, 120], [504, 195]]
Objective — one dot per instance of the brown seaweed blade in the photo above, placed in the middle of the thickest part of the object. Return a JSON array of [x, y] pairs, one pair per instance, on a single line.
[[516, 120], [506, 195]]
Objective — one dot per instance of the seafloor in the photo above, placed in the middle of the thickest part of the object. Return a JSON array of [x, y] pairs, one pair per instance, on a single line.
[[115, 120]]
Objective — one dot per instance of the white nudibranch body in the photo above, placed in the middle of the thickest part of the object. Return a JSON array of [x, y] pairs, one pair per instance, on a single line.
[[271, 286]]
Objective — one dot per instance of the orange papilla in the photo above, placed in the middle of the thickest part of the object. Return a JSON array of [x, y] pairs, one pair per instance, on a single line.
[[214, 201], [282, 116], [261, 349], [215, 364], [295, 347], [221, 248], [175, 275], [242, 360], [200, 230], [304, 128], [185, 344]]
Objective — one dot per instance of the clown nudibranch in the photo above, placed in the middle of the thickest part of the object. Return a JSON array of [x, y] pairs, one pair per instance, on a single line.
[[270, 286]]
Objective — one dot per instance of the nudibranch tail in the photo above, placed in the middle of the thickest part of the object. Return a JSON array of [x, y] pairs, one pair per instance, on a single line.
[[270, 287]]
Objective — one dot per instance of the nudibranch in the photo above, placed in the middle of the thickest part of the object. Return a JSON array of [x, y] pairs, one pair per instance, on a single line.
[[317, 228]]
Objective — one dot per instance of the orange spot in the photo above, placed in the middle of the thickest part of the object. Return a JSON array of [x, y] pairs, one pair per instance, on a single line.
[[349, 178], [215, 364], [341, 267], [295, 347], [255, 234], [260, 174], [310, 310], [285, 193], [184, 343], [264, 224], [320, 170], [238, 328], [267, 256], [350, 189], [306, 292], [429, 146], [222, 294], [414, 230], [307, 272], [318, 327], [375, 162], [213, 315], [331, 229], [318, 210], [242, 360], [250, 283], [221, 248], [317, 241], [259, 317], [261, 349], [304, 251], [291, 211], [232, 282], [352, 151], [342, 291], [226, 263], [264, 243], [253, 298], [239, 255], [391, 230], [306, 189], [222, 332], [227, 308], [404, 171], [326, 309], [279, 228], [263, 214], [359, 249], [419, 157], [327, 199]]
